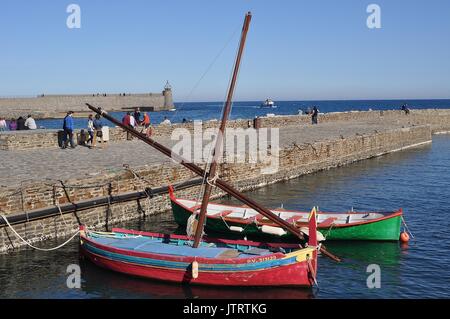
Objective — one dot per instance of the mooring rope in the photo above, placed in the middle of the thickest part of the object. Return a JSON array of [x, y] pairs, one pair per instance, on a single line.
[[143, 183], [406, 226], [34, 247]]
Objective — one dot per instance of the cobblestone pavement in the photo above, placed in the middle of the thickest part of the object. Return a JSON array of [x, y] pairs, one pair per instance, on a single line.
[[41, 164]]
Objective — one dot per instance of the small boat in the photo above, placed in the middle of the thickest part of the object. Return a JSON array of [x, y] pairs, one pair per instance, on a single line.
[[268, 103], [217, 262], [334, 226]]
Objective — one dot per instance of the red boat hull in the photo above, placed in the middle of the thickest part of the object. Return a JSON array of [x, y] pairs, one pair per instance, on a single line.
[[296, 275], [291, 270]]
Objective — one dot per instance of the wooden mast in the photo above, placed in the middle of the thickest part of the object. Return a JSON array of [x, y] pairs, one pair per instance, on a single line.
[[217, 152]]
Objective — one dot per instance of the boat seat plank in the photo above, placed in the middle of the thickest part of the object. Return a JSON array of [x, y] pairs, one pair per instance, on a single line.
[[294, 219], [222, 213], [327, 222]]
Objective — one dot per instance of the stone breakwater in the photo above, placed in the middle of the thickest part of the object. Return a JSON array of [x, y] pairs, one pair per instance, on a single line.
[[56, 106], [438, 119], [303, 149]]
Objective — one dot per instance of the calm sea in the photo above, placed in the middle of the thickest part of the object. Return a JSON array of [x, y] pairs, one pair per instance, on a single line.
[[248, 110], [418, 180]]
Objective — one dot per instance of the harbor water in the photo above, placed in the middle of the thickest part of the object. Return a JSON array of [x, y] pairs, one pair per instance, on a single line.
[[248, 110], [417, 179]]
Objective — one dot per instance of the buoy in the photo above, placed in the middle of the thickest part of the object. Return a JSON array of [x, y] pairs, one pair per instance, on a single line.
[[404, 237], [236, 229], [195, 269], [273, 230]]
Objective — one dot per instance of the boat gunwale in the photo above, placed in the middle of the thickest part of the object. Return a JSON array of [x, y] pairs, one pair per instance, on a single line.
[[387, 215], [189, 259]]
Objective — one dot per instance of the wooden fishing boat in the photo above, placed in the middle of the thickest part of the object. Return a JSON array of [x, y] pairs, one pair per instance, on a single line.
[[333, 226], [217, 262]]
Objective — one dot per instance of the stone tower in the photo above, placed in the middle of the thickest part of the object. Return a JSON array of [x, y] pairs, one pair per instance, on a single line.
[[168, 99]]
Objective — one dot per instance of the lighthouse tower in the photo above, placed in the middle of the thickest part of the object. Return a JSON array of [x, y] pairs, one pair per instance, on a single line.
[[168, 99]]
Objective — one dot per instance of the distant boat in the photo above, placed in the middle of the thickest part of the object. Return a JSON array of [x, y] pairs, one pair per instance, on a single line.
[[268, 103], [172, 110]]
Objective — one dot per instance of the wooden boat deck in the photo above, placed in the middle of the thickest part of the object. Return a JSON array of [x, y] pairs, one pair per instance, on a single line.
[[175, 248]]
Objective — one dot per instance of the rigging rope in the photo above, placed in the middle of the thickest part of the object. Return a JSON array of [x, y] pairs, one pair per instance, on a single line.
[[34, 247]]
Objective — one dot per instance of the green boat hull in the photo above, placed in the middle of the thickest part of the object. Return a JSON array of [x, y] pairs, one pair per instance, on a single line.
[[384, 230]]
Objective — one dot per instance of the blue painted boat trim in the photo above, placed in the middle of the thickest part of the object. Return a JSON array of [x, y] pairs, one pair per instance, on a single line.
[[182, 265]]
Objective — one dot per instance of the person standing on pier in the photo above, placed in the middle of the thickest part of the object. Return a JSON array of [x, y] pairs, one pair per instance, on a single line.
[[90, 129], [126, 120], [315, 115], [147, 125], [68, 127], [98, 131], [405, 109], [137, 116], [133, 122]]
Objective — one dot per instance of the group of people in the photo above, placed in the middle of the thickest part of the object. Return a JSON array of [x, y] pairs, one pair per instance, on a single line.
[[134, 120], [18, 125], [94, 129]]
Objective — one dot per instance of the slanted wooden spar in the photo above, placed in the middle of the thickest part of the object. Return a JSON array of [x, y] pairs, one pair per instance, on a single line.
[[199, 171]]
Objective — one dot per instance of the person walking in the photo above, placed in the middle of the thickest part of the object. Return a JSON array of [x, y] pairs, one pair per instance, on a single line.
[[98, 126], [30, 123], [21, 124], [68, 127], [13, 125], [90, 129], [315, 114]]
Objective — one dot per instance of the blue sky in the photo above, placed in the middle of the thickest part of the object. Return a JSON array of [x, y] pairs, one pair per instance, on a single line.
[[297, 50]]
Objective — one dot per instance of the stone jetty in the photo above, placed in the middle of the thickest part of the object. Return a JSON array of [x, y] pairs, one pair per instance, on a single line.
[[56, 106]]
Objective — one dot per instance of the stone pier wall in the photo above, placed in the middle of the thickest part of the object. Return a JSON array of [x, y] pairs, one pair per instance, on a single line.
[[294, 161], [439, 120]]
